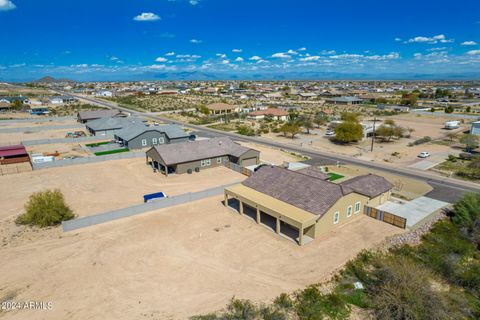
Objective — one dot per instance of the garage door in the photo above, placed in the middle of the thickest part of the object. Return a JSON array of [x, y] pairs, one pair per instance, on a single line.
[[249, 162]]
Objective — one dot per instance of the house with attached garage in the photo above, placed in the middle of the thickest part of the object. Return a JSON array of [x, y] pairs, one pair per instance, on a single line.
[[302, 205], [140, 136], [187, 157]]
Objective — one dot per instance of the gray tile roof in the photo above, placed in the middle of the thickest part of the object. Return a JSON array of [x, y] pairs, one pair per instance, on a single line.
[[370, 185], [96, 114], [313, 172], [199, 150], [171, 130], [300, 190], [112, 123]]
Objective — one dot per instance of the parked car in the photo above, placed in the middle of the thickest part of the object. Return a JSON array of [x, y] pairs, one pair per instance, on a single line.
[[329, 132], [424, 154]]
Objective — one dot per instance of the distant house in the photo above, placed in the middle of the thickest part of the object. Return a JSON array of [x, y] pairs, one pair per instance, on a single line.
[[13, 154], [109, 125], [302, 205], [308, 95], [104, 93], [344, 101], [475, 129], [12, 99], [62, 99], [139, 136], [5, 106], [198, 155], [275, 114], [39, 111], [85, 116], [222, 108], [393, 108]]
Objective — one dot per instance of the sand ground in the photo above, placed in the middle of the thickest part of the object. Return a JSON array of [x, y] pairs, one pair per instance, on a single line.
[[7, 138], [171, 264], [33, 123], [64, 149], [104, 186]]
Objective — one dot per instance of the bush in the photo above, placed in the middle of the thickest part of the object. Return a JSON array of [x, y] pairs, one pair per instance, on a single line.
[[104, 153], [420, 141], [45, 209], [312, 304]]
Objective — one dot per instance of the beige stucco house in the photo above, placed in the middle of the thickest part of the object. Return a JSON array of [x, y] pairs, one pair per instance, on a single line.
[[302, 204]]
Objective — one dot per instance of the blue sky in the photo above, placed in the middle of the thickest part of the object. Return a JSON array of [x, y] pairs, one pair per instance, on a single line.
[[121, 40]]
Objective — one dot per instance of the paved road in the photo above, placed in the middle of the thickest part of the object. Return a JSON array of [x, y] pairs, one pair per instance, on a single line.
[[444, 189]]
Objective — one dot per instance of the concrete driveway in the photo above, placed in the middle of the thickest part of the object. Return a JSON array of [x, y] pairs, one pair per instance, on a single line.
[[433, 160], [414, 211]]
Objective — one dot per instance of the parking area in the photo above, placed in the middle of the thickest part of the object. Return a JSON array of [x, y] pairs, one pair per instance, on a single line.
[[414, 211]]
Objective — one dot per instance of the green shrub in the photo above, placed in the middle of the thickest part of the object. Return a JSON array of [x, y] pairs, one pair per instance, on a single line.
[[467, 209], [240, 310], [311, 304], [283, 301], [45, 209], [420, 141]]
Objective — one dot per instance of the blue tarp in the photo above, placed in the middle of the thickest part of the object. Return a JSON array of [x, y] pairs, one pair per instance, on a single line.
[[152, 196]]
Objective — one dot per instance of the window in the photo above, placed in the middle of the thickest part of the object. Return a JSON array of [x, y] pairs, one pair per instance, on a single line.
[[357, 207], [336, 217], [219, 160], [161, 140], [205, 163], [154, 141], [144, 142], [349, 211]]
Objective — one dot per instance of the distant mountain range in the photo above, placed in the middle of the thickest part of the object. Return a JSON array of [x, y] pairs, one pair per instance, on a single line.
[[49, 79]]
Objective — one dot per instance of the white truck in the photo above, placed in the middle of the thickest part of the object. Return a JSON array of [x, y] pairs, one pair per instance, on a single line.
[[450, 125]]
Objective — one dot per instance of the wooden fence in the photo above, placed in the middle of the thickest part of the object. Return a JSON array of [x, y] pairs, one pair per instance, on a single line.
[[386, 217], [239, 169]]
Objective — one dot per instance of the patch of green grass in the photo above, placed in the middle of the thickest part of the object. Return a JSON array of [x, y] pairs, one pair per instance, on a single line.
[[334, 176], [104, 153]]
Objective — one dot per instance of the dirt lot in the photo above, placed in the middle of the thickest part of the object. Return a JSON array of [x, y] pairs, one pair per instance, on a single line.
[[271, 155], [17, 137], [99, 187], [172, 264], [33, 123], [64, 150]]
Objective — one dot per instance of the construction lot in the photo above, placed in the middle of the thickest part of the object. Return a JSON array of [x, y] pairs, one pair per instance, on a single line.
[[171, 264], [104, 186]]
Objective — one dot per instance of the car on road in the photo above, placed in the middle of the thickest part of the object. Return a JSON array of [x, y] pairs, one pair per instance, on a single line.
[[424, 154], [329, 132]]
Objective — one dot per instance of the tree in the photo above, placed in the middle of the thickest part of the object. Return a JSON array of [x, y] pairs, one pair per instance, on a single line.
[[45, 209], [292, 115], [468, 109], [17, 105], [291, 128], [306, 122], [449, 109], [320, 120], [203, 109], [349, 131], [349, 116], [409, 99], [452, 135], [470, 141]]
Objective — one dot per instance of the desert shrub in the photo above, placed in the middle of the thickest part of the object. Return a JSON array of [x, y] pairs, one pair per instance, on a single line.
[[269, 313], [44, 209], [452, 158], [239, 309], [283, 301], [246, 131], [311, 304], [420, 141]]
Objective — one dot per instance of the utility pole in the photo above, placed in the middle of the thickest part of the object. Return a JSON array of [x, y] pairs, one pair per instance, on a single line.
[[373, 135]]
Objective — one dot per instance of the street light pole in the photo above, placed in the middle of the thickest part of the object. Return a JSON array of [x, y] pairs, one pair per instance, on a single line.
[[373, 135]]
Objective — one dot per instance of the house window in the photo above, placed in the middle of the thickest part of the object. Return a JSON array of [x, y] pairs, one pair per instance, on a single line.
[[357, 207], [205, 163], [161, 140], [144, 142], [219, 160], [154, 141], [336, 217], [349, 211]]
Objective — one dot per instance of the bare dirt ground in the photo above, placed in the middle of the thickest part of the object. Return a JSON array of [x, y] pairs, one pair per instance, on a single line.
[[15, 168], [99, 187], [34, 123], [171, 264], [64, 150], [17, 137], [271, 155]]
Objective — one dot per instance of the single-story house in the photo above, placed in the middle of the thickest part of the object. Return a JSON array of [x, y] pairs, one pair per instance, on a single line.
[[12, 99], [302, 205], [140, 136], [198, 155], [344, 100], [85, 116], [39, 111], [222, 108], [276, 114], [475, 129], [109, 125], [62, 99], [13, 154]]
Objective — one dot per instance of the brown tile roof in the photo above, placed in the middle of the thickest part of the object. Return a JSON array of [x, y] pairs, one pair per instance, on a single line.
[[313, 172], [221, 106], [198, 150], [303, 191], [269, 112], [369, 185]]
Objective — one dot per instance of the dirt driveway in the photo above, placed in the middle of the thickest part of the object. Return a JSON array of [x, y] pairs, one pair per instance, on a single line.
[[172, 264], [99, 187]]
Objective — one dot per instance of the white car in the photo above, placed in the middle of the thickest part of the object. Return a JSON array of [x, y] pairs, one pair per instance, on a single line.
[[424, 154], [330, 133]]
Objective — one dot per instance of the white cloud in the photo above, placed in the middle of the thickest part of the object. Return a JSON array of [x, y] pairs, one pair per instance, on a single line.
[[221, 55], [292, 52], [161, 59], [328, 52], [169, 54], [226, 61], [281, 55], [473, 52], [469, 43], [237, 50], [196, 41], [310, 58], [255, 58], [6, 5], [437, 49], [188, 56], [193, 2], [146, 16], [239, 59], [302, 49], [162, 67], [430, 40], [398, 39]]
